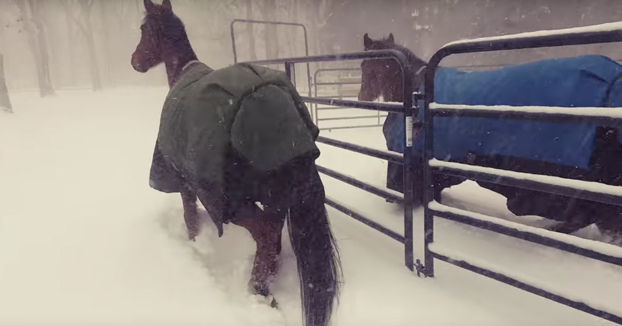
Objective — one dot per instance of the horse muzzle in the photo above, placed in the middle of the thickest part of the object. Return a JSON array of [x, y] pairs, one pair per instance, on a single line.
[[138, 66]]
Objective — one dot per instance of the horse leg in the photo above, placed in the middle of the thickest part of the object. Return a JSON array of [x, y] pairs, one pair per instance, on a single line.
[[191, 213], [266, 231]]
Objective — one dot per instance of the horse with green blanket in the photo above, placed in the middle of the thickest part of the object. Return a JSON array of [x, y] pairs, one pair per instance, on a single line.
[[242, 141]]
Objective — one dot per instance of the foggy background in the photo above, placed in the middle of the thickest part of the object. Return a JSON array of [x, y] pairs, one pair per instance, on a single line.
[[58, 44]]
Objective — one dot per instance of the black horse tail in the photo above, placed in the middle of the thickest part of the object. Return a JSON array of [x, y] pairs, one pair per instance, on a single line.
[[317, 255]]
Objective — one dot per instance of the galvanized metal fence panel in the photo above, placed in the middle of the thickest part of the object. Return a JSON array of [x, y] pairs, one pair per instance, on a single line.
[[559, 186], [406, 160]]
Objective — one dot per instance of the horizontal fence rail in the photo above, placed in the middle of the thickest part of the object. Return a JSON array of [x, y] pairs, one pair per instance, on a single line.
[[597, 115], [341, 93], [591, 191], [599, 251], [383, 155], [407, 159], [386, 107], [587, 190]]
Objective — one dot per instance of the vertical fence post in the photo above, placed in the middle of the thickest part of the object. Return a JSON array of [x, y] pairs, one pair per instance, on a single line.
[[428, 176], [314, 105], [293, 74], [427, 188], [408, 168], [235, 51], [288, 70]]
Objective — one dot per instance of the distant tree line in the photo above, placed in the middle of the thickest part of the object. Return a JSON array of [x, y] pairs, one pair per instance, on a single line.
[[54, 44]]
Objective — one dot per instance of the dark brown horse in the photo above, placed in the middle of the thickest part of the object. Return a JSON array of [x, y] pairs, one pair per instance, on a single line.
[[384, 77], [294, 192]]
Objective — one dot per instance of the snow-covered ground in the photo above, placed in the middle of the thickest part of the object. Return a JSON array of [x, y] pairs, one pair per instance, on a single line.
[[85, 241]]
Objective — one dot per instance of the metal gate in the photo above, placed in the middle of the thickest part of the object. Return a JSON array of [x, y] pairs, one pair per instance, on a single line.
[[312, 82], [405, 160], [263, 22], [378, 117], [552, 185]]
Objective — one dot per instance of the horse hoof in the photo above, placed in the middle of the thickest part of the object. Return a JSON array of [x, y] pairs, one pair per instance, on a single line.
[[274, 304], [192, 234], [268, 300]]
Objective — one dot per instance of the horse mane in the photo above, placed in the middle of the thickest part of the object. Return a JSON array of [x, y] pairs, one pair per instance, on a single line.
[[412, 58], [415, 62]]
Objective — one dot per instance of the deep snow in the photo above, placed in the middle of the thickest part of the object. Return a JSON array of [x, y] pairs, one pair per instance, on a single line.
[[85, 241]]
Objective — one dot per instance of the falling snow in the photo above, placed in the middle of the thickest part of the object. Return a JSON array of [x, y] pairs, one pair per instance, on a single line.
[[83, 238]]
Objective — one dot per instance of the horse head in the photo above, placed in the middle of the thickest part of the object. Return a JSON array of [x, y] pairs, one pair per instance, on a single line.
[[385, 76]]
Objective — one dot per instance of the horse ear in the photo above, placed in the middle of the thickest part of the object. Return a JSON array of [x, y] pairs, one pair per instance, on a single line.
[[367, 41], [391, 39], [168, 7], [149, 6]]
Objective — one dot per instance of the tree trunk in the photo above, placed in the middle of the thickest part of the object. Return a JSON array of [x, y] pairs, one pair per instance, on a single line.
[[71, 39], [46, 85], [5, 101], [86, 27], [38, 45]]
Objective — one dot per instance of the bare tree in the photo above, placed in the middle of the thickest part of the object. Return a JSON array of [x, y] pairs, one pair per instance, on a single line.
[[79, 11], [5, 100], [30, 11]]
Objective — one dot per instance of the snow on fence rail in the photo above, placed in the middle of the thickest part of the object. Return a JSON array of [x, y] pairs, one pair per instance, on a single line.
[[524, 282], [584, 112], [588, 190], [590, 248], [606, 27]]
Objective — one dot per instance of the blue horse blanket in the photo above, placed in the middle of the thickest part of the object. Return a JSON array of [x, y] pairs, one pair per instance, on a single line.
[[585, 81]]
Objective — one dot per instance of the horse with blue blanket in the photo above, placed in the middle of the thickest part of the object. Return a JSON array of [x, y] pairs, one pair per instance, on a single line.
[[240, 139], [581, 151]]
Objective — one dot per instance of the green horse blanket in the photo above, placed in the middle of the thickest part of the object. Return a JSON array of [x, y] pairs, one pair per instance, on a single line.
[[223, 132]]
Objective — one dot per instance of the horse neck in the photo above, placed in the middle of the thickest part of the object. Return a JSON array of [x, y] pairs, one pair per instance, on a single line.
[[395, 93], [176, 57]]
